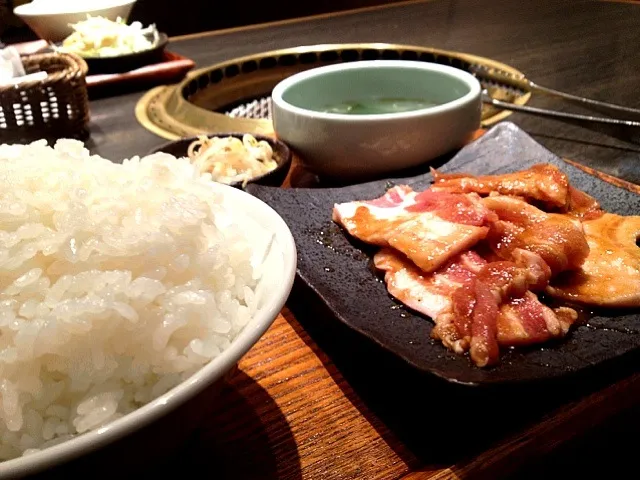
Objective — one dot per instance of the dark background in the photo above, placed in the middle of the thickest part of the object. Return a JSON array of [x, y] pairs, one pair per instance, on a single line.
[[179, 17]]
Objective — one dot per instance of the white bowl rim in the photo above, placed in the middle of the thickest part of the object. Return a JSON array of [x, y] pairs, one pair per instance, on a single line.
[[29, 9], [207, 375], [471, 81]]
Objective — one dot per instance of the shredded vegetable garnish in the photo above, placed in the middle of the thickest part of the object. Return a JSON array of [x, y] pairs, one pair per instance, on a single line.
[[230, 160], [101, 37]]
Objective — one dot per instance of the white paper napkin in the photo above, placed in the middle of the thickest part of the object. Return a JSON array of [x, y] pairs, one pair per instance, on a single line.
[[11, 68], [10, 64]]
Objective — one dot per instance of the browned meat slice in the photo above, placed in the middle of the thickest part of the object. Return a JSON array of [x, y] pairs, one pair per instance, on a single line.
[[557, 238], [372, 221], [582, 205], [543, 183], [610, 275]]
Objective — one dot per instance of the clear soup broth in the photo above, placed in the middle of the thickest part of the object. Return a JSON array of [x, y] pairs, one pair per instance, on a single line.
[[378, 106]]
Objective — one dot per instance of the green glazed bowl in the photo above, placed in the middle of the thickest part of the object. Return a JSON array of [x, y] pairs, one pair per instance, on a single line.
[[442, 108]]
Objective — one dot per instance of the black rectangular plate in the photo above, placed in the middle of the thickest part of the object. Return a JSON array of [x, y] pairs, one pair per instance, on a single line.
[[339, 271]]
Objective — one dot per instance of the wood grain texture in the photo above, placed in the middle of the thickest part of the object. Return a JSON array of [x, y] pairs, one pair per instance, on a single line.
[[197, 15], [289, 413], [283, 415], [345, 10], [633, 187], [302, 380]]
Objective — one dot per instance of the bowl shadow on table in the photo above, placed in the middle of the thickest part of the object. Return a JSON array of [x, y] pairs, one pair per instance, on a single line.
[[302, 177], [220, 431], [441, 423]]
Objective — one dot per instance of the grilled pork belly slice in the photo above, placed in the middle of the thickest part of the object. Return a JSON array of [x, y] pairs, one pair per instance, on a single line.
[[543, 183], [610, 275], [557, 238], [477, 305], [525, 321], [372, 221], [430, 293], [430, 228], [582, 205]]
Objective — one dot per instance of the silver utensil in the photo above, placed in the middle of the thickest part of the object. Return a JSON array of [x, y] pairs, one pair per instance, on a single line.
[[486, 98], [522, 83]]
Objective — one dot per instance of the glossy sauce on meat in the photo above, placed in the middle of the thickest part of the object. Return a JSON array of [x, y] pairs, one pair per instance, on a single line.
[[543, 183], [557, 238], [472, 253], [430, 294], [610, 275]]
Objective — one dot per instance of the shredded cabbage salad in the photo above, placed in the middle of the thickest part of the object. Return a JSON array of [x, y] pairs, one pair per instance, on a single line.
[[101, 37], [229, 159]]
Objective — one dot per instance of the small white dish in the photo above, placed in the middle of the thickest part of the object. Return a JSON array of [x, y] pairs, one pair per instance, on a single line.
[[282, 258], [51, 19], [442, 107]]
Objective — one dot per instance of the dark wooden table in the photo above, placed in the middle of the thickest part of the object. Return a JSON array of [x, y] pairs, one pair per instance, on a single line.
[[313, 401]]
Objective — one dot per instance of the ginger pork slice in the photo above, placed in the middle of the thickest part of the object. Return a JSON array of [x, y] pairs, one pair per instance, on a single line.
[[430, 293], [372, 221]]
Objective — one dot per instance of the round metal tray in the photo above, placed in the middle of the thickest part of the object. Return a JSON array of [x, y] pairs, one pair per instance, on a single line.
[[233, 96]]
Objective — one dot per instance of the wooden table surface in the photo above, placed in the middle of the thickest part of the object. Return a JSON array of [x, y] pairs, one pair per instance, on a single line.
[[313, 400]]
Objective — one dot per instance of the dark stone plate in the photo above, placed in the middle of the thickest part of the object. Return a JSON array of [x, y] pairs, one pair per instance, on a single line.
[[339, 271]]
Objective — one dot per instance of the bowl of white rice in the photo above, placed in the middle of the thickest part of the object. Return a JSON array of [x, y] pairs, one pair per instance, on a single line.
[[125, 291]]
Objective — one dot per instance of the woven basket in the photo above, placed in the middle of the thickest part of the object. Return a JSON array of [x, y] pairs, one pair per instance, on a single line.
[[57, 107]]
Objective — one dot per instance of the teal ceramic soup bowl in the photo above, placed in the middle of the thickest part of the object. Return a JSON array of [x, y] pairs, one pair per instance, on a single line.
[[368, 118]]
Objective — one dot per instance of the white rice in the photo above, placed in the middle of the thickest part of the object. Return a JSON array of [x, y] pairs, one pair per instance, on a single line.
[[116, 283]]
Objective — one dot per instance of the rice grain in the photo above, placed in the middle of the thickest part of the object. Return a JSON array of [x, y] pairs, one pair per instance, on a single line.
[[117, 282]]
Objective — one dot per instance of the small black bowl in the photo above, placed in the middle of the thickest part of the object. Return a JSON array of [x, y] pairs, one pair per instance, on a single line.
[[274, 178], [130, 61]]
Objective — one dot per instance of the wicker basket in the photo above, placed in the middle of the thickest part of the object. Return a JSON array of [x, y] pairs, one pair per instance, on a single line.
[[57, 107]]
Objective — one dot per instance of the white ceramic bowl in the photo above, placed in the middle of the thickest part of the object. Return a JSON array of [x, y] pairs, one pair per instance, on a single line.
[[284, 248], [348, 145], [51, 19]]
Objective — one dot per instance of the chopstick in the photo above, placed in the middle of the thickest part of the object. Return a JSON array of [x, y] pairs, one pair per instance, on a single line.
[[486, 98], [522, 83]]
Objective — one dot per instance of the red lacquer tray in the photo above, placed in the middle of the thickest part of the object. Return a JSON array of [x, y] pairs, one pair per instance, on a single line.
[[171, 69]]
